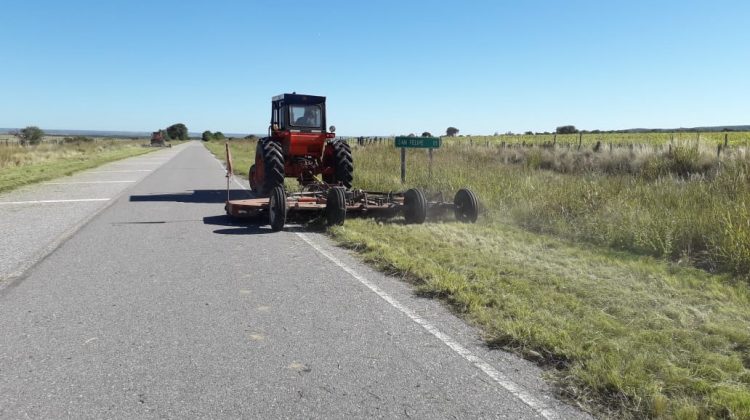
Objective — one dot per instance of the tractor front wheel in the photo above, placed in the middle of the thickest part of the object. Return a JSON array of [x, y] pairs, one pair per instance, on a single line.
[[277, 209]]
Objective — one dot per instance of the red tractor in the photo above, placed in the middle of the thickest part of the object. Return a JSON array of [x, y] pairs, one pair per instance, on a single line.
[[298, 146], [157, 139]]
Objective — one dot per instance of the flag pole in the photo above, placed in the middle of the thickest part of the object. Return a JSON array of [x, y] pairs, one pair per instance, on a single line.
[[229, 167]]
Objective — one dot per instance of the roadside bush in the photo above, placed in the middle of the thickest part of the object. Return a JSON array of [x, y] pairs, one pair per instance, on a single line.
[[30, 135]]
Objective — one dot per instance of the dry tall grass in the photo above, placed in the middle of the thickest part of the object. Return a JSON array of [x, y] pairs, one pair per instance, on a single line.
[[683, 203]]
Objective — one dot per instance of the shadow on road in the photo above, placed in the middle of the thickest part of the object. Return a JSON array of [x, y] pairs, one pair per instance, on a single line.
[[250, 226], [195, 196]]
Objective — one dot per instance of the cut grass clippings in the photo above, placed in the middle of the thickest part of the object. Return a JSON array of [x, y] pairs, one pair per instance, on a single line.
[[27, 165]]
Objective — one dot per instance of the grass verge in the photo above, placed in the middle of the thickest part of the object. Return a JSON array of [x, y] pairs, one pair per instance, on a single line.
[[27, 165], [628, 336]]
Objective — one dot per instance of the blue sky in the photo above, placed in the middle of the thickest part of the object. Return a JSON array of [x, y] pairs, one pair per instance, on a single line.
[[387, 67]]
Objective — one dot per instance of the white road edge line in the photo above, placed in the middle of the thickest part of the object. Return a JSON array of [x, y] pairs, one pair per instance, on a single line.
[[478, 362], [80, 200]]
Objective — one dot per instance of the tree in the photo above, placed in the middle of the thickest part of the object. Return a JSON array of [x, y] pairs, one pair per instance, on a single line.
[[177, 132], [219, 136], [426, 134], [451, 131], [566, 129], [207, 136], [30, 135]]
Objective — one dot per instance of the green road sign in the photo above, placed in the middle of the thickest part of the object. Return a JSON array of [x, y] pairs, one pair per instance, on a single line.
[[421, 142]]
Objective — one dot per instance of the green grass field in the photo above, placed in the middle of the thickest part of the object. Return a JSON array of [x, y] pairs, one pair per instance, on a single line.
[[624, 271], [27, 165]]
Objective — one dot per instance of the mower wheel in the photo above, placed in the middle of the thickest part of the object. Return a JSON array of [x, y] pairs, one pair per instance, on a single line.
[[273, 165], [336, 206], [251, 177], [277, 209], [466, 206], [415, 206]]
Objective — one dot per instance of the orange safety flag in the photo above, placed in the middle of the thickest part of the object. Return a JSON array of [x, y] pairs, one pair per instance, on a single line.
[[229, 161]]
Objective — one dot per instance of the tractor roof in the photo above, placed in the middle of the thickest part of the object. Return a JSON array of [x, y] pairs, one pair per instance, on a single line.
[[295, 98]]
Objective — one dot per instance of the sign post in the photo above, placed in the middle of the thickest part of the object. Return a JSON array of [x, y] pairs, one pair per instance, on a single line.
[[403, 165], [415, 143]]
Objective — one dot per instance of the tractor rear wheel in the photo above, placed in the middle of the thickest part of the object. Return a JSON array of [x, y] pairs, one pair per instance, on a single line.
[[415, 206], [466, 206], [277, 209], [269, 166], [343, 164], [336, 206]]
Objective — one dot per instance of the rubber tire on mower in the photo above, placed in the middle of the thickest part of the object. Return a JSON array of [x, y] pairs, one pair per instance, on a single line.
[[336, 206], [273, 166], [466, 206], [277, 209], [415, 206], [343, 164]]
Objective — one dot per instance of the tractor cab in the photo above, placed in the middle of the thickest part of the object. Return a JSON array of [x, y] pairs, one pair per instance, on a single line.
[[298, 113], [298, 146]]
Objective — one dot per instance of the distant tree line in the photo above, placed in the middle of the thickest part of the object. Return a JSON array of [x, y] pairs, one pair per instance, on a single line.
[[219, 136], [209, 136]]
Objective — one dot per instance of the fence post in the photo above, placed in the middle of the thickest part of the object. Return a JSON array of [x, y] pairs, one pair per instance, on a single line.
[[580, 139], [726, 139]]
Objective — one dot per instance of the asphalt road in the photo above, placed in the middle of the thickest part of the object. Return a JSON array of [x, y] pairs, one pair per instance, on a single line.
[[155, 304]]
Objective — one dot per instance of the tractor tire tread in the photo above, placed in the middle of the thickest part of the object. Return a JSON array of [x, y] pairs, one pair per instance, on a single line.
[[273, 165], [344, 163]]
